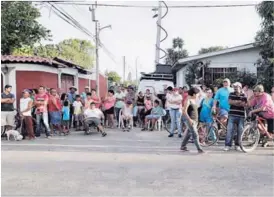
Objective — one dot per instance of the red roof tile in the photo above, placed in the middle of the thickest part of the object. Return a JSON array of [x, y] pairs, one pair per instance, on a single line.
[[29, 59]]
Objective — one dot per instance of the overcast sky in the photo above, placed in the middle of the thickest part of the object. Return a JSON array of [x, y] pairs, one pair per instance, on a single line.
[[133, 30]]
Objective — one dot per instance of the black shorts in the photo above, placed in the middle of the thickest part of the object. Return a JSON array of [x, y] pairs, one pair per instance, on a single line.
[[110, 111], [270, 127]]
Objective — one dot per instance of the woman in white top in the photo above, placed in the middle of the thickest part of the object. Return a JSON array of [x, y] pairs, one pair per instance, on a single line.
[[25, 110], [175, 104]]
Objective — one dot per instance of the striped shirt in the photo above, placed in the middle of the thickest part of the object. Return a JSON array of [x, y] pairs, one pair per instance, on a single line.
[[237, 110]]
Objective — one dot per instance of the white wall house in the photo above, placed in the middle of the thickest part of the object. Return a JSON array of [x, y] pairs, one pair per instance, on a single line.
[[230, 60]]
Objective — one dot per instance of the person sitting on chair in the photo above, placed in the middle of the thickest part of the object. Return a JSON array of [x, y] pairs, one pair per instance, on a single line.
[[127, 115], [94, 115], [156, 113]]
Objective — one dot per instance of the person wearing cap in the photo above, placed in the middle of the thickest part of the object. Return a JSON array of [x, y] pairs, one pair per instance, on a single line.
[[71, 98], [26, 104], [175, 104], [41, 103], [236, 116], [263, 105], [84, 94], [7, 108], [127, 115], [94, 115], [222, 96]]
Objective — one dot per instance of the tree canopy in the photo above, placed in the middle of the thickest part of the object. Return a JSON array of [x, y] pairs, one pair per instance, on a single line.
[[210, 49], [74, 50], [265, 40], [113, 76], [176, 52], [19, 26]]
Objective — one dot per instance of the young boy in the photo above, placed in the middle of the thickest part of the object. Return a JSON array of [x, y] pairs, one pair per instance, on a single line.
[[78, 112], [65, 118], [127, 115], [156, 113]]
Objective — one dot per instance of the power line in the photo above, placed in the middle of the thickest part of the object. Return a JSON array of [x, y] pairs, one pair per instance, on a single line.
[[150, 6], [61, 13]]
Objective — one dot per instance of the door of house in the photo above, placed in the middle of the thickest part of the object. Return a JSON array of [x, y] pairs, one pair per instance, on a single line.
[[66, 82]]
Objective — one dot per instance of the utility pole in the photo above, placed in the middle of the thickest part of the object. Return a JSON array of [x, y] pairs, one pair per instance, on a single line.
[[124, 70], [97, 40], [158, 36]]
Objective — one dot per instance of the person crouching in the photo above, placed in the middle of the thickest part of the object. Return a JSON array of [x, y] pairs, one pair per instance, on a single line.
[[156, 113], [94, 115]]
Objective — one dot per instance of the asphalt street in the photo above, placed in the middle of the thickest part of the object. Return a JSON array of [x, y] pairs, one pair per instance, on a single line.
[[131, 164]]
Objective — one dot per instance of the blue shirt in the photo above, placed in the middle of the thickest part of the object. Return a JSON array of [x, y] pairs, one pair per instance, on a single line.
[[84, 96], [205, 114], [65, 111], [71, 97], [222, 96]]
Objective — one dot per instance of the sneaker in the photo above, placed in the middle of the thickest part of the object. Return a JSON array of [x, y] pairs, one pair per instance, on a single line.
[[180, 135], [104, 134], [49, 137], [237, 148], [201, 151], [184, 149], [170, 135], [144, 129], [227, 148]]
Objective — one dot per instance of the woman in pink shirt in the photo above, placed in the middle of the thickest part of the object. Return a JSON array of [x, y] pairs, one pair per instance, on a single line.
[[109, 103]]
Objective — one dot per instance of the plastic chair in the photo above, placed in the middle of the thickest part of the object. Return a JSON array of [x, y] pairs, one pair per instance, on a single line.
[[121, 122], [159, 123]]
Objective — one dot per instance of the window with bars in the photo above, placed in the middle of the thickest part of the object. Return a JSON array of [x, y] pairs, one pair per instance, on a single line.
[[216, 73]]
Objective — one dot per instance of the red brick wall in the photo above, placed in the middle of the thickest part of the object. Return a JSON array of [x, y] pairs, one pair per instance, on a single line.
[[82, 83], [33, 79]]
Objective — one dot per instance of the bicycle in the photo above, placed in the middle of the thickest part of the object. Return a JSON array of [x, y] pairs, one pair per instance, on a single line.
[[253, 132]]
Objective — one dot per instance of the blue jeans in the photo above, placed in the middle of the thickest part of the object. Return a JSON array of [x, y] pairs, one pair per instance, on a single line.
[[239, 121], [45, 118], [175, 116]]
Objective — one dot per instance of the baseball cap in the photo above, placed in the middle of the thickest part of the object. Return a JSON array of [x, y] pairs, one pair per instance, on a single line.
[[26, 90], [87, 87]]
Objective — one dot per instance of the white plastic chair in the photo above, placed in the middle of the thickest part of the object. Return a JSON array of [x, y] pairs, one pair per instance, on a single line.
[[121, 122], [159, 123]]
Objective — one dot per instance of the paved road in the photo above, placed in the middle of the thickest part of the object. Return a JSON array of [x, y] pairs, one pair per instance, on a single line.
[[131, 164]]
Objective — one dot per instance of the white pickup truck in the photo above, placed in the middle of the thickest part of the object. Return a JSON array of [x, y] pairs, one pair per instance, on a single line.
[[158, 85]]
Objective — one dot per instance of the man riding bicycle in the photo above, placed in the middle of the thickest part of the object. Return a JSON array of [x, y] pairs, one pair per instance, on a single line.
[[263, 105], [222, 97]]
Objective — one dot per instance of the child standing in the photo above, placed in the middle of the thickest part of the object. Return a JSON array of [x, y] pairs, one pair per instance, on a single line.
[[78, 112], [65, 118], [127, 115]]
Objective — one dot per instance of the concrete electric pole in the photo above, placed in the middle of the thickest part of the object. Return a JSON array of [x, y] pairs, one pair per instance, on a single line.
[[97, 42]]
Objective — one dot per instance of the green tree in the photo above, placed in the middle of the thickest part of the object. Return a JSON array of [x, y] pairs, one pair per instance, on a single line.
[[19, 26], [74, 50], [210, 49], [264, 39], [176, 52], [113, 76], [197, 73]]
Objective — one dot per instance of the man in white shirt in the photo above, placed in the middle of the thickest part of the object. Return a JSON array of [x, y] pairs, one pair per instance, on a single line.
[[94, 115], [175, 104]]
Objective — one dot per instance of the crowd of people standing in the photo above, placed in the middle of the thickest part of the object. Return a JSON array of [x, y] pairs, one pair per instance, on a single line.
[[125, 108]]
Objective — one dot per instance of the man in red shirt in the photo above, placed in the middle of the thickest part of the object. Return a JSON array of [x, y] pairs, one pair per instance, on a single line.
[[55, 110], [41, 103]]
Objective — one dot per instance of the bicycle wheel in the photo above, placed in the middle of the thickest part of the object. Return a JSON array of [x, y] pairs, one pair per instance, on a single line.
[[167, 125], [208, 136], [249, 138]]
